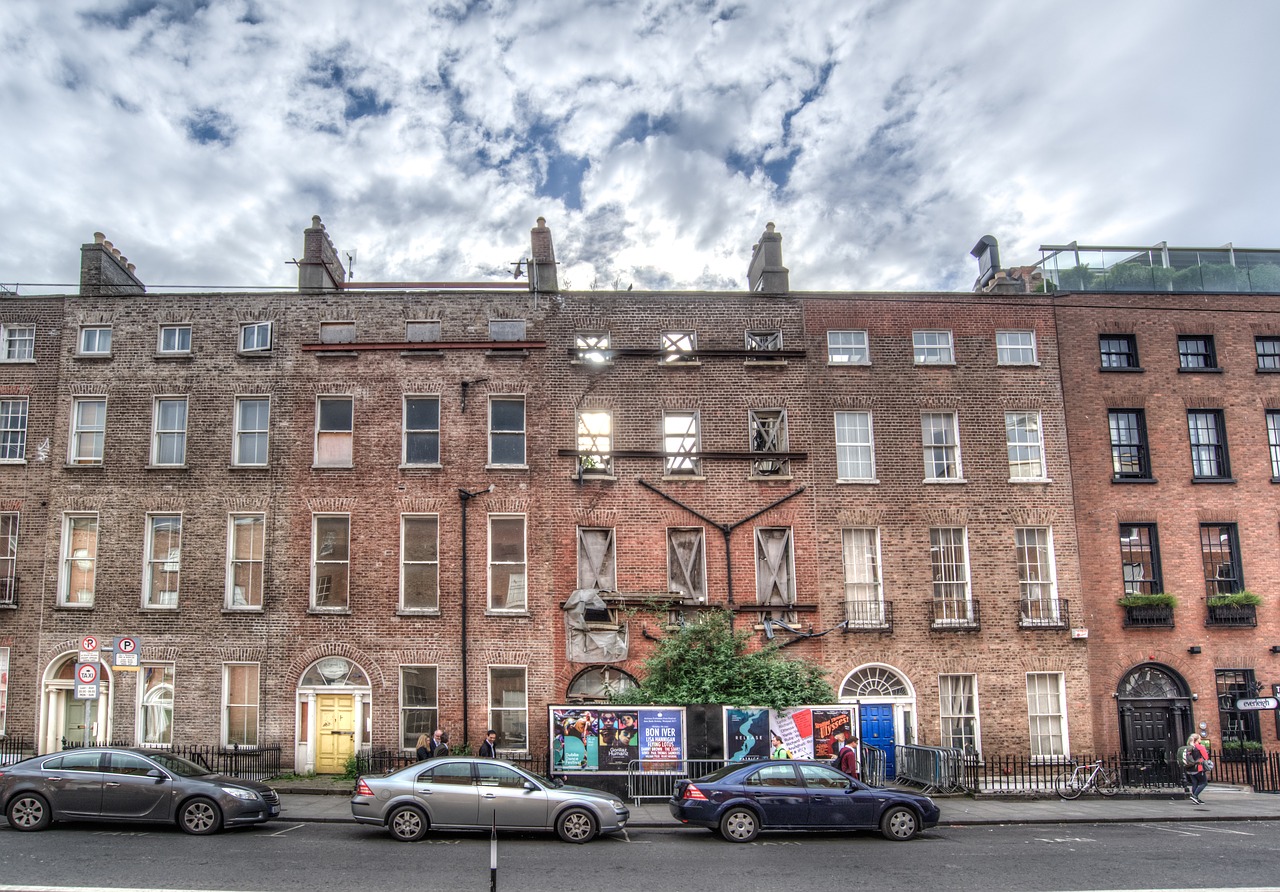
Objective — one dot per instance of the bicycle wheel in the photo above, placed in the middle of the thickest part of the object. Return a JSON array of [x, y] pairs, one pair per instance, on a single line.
[[1069, 785], [1108, 782]]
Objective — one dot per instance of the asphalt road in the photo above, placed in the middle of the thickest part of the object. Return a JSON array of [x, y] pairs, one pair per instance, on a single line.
[[283, 856]]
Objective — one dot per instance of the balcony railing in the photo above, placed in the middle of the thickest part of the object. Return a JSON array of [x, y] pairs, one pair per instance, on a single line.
[[9, 592], [1160, 268], [1242, 615], [868, 616], [1043, 613], [953, 615], [1154, 617]]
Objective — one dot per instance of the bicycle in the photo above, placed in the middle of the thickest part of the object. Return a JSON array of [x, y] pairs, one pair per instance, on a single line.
[[1070, 784]]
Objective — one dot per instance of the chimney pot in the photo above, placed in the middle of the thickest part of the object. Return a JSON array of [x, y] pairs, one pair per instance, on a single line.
[[98, 238], [315, 222], [107, 245]]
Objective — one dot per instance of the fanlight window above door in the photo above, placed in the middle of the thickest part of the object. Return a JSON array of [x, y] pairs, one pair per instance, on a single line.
[[333, 671]]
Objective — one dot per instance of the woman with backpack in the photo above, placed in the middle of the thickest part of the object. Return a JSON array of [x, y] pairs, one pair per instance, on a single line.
[[1195, 762]]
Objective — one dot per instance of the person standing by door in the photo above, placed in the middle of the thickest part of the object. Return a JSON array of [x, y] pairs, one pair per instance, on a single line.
[[489, 749]]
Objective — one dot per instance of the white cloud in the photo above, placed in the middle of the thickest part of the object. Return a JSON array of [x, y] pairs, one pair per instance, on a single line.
[[202, 136]]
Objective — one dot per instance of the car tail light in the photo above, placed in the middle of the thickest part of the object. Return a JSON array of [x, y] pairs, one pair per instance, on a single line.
[[362, 789], [692, 792]]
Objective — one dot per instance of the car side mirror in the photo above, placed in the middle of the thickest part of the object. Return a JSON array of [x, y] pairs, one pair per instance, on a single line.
[[530, 786], [157, 774]]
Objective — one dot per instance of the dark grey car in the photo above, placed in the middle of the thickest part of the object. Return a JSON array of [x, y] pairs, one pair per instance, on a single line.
[[467, 794], [114, 784]]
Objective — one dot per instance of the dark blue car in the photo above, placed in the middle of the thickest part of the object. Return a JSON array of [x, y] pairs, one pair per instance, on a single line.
[[743, 798]]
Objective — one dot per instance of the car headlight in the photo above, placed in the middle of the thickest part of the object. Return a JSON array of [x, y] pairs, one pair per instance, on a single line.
[[241, 793], [617, 804]]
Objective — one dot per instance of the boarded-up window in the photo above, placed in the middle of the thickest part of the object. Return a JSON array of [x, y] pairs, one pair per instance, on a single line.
[[686, 563], [337, 332], [775, 584], [596, 564]]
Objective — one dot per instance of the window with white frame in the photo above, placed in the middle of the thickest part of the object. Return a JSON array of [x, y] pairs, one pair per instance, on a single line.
[[88, 429], [1015, 348], [164, 560], [337, 332], [425, 331], [253, 423], [595, 441], [1273, 441], [13, 429], [4, 687], [255, 337], [95, 340], [240, 704], [932, 348], [1025, 445], [847, 348], [679, 346], [174, 339], [597, 563], [79, 559], [509, 706], [769, 435], [680, 442], [1046, 714], [507, 562], [863, 594], [334, 429], [941, 439], [506, 329], [959, 712], [506, 431], [775, 567], [687, 563], [419, 562], [169, 436], [246, 547], [419, 704], [330, 561], [421, 430], [1037, 583], [8, 557], [155, 704], [949, 563], [17, 343], [855, 446], [592, 347]]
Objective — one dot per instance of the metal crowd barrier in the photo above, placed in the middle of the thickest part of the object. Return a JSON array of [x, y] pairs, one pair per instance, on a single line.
[[936, 769], [658, 781]]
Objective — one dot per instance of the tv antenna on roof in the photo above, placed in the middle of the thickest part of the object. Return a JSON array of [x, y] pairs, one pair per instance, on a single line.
[[351, 265]]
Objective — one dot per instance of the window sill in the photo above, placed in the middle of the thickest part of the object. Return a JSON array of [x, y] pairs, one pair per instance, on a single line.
[[1120, 369], [346, 467], [32, 361], [506, 467], [845, 365], [72, 607], [337, 353], [249, 467], [768, 478], [1213, 480], [692, 478], [506, 354], [679, 364], [522, 613], [1216, 370], [590, 363], [1041, 480], [403, 611], [330, 611], [1134, 480], [182, 467], [13, 461], [426, 466], [174, 357], [763, 362], [422, 354], [254, 354], [594, 475], [91, 357], [249, 610], [83, 466], [158, 608], [857, 481], [1018, 365], [1275, 371], [934, 365], [943, 481]]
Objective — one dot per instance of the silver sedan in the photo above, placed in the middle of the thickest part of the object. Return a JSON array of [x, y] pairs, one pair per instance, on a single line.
[[122, 784], [467, 794]]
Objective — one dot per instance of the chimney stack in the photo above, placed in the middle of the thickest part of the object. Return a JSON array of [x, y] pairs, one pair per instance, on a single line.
[[319, 269], [766, 274], [104, 270], [542, 268]]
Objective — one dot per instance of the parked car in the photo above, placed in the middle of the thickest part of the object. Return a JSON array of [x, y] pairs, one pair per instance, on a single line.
[[127, 784], [743, 798], [464, 794]]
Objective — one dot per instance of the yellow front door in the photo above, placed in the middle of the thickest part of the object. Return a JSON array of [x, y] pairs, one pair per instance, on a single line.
[[335, 732]]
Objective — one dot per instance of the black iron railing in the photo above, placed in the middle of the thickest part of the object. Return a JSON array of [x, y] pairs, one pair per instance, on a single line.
[[251, 763], [954, 615], [1232, 615], [1043, 613], [1152, 617], [15, 749]]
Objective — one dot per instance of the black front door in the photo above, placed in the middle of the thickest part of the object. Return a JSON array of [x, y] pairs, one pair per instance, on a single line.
[[1155, 719]]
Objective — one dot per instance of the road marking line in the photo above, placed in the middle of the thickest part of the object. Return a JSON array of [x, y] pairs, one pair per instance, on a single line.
[[287, 830], [1168, 830], [1220, 830]]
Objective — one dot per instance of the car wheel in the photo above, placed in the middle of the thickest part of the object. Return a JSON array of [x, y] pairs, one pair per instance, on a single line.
[[29, 811], [407, 823], [200, 816], [739, 825], [899, 824], [576, 825]]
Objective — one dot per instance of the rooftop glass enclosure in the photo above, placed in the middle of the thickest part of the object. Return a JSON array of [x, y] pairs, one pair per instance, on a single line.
[[1159, 267]]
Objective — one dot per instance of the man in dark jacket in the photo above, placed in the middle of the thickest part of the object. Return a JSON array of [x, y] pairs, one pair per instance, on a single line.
[[489, 749], [848, 756]]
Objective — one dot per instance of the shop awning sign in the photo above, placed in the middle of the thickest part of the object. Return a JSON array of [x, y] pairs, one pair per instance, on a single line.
[[1253, 703]]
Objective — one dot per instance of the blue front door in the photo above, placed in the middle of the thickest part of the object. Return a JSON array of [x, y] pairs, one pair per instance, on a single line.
[[877, 731]]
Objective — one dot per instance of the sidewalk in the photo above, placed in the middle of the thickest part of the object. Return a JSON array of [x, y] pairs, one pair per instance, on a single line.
[[1221, 803]]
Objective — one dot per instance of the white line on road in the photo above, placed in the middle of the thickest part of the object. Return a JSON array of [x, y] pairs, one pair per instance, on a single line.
[[1168, 830], [1220, 830], [286, 830]]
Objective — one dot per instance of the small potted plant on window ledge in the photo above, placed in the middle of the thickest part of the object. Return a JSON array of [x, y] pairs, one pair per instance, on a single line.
[[1234, 608], [1148, 609]]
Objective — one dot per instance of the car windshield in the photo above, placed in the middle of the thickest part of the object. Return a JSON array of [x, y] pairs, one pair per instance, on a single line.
[[179, 765]]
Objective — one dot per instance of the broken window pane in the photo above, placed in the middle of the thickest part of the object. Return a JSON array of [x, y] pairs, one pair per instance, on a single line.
[[769, 434]]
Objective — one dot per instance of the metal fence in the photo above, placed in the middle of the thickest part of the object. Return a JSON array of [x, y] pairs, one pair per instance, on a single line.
[[645, 783], [15, 749], [251, 763], [1024, 774], [934, 769]]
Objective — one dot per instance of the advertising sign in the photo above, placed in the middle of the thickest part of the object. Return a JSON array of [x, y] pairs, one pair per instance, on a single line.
[[807, 732], [609, 739]]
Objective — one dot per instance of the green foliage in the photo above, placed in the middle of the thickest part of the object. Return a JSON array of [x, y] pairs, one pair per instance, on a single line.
[[1154, 599], [1235, 599], [708, 662], [1265, 277], [351, 767]]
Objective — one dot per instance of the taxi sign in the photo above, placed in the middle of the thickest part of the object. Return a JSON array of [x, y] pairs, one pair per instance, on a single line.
[[86, 681], [1252, 703]]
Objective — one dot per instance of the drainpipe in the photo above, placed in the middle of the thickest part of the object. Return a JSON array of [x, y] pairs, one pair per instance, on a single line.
[[465, 496]]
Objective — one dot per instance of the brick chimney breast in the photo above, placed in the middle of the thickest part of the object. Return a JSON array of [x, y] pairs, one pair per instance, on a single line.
[[319, 269], [542, 269], [104, 270], [766, 274]]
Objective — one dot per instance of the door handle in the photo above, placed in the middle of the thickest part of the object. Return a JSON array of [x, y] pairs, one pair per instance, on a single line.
[[490, 796], [112, 784]]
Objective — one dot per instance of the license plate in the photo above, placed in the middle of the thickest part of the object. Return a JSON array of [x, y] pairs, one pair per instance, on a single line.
[[275, 810]]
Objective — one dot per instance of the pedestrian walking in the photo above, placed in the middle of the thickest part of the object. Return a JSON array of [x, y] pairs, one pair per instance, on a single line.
[[780, 750], [424, 748], [442, 748], [1196, 763], [489, 749], [848, 756]]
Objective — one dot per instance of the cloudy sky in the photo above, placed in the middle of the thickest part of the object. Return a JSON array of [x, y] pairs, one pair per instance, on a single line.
[[657, 137]]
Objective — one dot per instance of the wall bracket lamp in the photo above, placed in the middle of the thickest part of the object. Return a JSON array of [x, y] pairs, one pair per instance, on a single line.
[[1193, 649]]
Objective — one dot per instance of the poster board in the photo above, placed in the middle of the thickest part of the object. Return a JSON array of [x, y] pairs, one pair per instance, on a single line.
[[607, 739], [807, 732]]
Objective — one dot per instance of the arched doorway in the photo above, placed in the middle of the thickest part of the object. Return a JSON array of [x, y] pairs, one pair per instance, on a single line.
[[63, 717], [886, 704], [334, 716], [1155, 713]]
